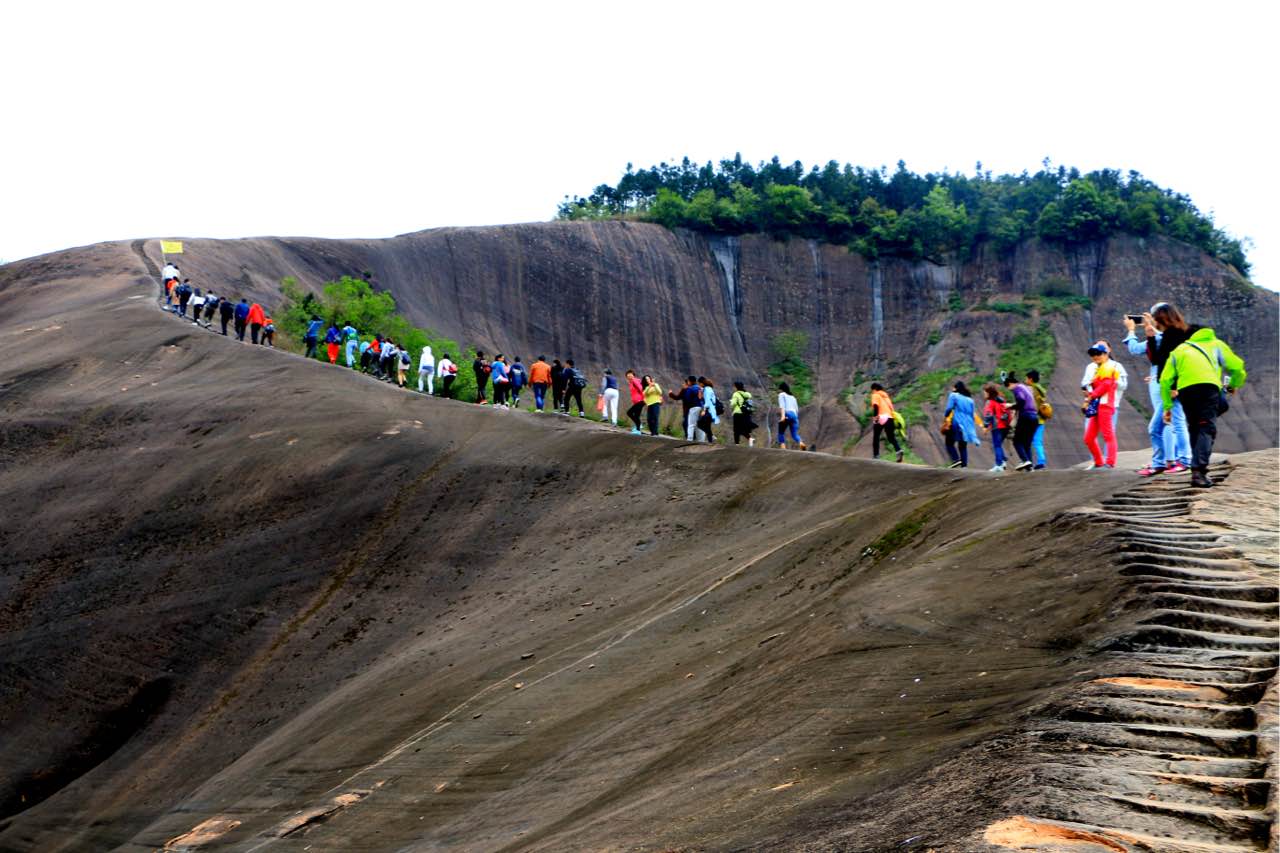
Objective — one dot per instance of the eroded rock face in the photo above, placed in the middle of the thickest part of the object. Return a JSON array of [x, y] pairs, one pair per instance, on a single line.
[[624, 294]]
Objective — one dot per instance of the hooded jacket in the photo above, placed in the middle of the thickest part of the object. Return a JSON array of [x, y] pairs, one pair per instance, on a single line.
[[1200, 360], [256, 314]]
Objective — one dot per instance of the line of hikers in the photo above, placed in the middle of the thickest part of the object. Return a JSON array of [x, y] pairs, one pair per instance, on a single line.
[[243, 316], [700, 405], [1185, 386]]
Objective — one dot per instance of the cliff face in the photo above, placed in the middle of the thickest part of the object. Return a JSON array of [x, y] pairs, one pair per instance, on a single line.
[[634, 295]]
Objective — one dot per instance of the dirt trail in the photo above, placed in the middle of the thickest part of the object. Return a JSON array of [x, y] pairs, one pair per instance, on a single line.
[[1173, 750]]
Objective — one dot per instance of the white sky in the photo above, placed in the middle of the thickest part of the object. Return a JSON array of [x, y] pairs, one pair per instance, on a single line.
[[340, 119]]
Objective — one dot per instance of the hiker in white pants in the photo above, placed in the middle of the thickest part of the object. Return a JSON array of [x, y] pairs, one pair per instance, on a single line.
[[427, 370], [609, 390]]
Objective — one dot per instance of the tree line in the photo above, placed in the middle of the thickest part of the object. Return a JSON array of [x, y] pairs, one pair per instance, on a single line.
[[903, 214]]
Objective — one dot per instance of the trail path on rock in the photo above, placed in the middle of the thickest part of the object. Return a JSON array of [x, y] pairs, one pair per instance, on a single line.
[[1175, 745]]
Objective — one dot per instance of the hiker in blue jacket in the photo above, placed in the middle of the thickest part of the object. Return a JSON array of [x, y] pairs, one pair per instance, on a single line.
[[501, 381], [332, 340], [242, 317], [710, 416], [516, 373], [964, 427], [311, 338]]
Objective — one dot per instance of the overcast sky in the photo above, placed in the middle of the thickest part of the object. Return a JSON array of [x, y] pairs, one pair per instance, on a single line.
[[229, 119]]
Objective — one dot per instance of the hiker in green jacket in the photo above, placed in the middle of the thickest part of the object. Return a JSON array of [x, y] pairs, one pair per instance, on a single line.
[[1193, 373]]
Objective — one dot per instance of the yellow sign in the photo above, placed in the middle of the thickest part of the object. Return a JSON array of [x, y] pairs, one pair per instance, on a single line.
[[171, 247]]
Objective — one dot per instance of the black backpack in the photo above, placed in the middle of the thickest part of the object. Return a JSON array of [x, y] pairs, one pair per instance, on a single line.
[[579, 380], [719, 408]]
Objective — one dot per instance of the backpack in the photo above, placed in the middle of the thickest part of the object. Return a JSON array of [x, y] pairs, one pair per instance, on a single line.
[[1045, 411], [579, 381], [748, 406], [719, 408], [404, 358]]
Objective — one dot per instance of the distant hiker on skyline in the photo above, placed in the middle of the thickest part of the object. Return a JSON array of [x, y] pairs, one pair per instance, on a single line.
[[575, 381], [653, 403], [226, 310], [742, 406], [960, 422], [1044, 412], [1166, 329], [352, 346], [691, 401], [480, 367], [312, 336], [388, 358], [427, 370], [1028, 421], [183, 292], [403, 362], [1193, 372], [788, 417], [995, 422], [242, 317], [883, 419], [519, 378], [448, 372], [1100, 397], [332, 342], [609, 394], [635, 391], [557, 385], [500, 377], [1122, 383], [211, 304], [257, 318], [540, 381], [711, 409]]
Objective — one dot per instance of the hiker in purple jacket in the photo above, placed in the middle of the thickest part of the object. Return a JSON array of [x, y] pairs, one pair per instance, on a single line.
[[1024, 404]]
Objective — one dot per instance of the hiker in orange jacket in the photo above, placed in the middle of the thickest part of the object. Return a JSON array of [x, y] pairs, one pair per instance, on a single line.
[[257, 319]]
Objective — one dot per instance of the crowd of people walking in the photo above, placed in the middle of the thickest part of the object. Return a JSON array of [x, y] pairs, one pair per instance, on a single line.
[[1185, 385]]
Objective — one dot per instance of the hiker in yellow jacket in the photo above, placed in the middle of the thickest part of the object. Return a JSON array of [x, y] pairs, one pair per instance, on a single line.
[[1194, 374]]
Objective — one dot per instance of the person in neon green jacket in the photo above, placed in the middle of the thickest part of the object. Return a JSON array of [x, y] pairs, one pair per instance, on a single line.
[[1194, 374]]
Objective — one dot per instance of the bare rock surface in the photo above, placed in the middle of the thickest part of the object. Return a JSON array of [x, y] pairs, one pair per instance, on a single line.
[[253, 602]]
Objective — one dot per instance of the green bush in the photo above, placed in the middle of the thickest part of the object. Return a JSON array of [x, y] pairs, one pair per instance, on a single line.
[[789, 348], [1063, 304], [353, 301], [1008, 308]]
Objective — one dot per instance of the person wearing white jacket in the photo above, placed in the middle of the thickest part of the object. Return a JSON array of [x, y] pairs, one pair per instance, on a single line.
[[427, 370], [1122, 382]]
